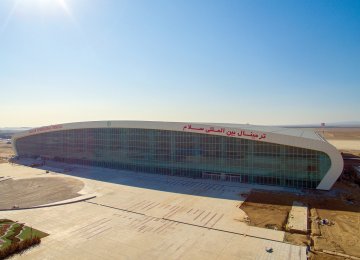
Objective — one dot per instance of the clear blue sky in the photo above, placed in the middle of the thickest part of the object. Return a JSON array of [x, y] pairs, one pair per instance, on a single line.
[[259, 62]]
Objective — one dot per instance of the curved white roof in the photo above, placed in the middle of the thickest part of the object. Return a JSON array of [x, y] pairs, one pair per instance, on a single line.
[[306, 133], [286, 136]]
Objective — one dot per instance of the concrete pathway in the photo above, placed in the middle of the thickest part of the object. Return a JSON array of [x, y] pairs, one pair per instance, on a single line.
[[144, 216]]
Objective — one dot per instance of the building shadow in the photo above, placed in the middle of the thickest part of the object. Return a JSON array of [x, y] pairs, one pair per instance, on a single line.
[[252, 193], [165, 183], [333, 200]]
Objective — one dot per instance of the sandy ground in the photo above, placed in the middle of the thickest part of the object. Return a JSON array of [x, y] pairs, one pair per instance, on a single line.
[[6, 151], [343, 133], [257, 207], [347, 146], [345, 139], [341, 205], [37, 191], [344, 235]]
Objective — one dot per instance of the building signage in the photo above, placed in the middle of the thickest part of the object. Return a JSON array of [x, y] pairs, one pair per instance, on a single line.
[[45, 128], [223, 131]]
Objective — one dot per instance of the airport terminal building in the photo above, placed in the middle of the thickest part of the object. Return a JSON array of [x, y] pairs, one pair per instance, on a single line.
[[228, 152]]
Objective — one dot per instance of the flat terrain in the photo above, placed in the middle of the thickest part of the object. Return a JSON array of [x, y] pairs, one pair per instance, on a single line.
[[263, 212], [344, 212], [342, 207], [145, 216], [31, 192], [6, 151], [341, 133], [139, 216], [346, 140]]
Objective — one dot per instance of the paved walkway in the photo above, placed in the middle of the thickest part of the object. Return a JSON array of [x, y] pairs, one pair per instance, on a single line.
[[142, 216], [298, 218]]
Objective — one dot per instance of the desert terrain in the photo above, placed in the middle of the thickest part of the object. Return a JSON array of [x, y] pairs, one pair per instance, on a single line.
[[345, 139], [341, 207], [6, 151]]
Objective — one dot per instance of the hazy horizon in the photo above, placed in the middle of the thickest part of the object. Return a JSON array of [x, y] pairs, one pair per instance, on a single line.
[[256, 62]]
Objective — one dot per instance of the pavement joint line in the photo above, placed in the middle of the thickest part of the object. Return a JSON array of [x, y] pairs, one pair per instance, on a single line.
[[168, 227], [194, 225], [107, 206], [143, 222], [149, 229], [226, 231], [199, 215], [135, 204], [102, 231], [217, 220], [143, 206], [141, 203], [153, 206], [150, 205], [164, 227], [210, 219], [205, 216], [97, 227], [59, 203], [103, 220], [173, 212]]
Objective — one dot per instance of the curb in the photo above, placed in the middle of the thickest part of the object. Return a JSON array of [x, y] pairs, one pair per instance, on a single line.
[[59, 203]]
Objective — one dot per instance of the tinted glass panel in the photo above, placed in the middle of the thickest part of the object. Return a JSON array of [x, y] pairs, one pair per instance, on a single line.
[[181, 153]]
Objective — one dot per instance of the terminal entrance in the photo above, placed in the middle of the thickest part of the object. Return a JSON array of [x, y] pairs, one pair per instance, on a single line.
[[219, 176]]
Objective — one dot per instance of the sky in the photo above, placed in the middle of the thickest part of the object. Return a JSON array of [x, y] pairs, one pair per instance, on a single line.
[[265, 62]]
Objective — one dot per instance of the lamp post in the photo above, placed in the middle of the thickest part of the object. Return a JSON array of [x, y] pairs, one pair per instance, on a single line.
[[323, 128]]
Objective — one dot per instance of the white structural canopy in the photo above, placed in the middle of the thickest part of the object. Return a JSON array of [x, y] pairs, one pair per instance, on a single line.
[[301, 138]]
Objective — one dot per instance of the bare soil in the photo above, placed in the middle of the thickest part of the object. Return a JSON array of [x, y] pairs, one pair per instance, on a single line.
[[37, 191], [346, 140], [268, 210], [341, 133], [324, 256], [297, 239], [6, 152], [341, 206]]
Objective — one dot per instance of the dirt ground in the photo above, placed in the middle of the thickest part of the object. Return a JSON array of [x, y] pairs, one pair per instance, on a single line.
[[37, 191], [346, 140], [264, 213], [341, 133], [342, 206], [6, 151], [344, 211]]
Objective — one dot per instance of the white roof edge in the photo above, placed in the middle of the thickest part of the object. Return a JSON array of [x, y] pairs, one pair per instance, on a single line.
[[150, 124], [274, 135]]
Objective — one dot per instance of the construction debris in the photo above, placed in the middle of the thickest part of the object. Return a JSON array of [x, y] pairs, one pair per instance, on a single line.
[[326, 222]]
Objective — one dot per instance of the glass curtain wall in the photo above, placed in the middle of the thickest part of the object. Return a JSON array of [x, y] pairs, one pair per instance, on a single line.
[[182, 154]]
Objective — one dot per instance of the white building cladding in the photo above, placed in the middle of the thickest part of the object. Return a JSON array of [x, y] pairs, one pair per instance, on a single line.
[[244, 153]]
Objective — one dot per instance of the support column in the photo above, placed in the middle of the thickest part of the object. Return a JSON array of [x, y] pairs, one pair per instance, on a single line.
[[251, 161], [283, 165], [152, 146]]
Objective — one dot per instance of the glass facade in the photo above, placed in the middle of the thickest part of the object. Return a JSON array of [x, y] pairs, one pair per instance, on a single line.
[[181, 154]]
